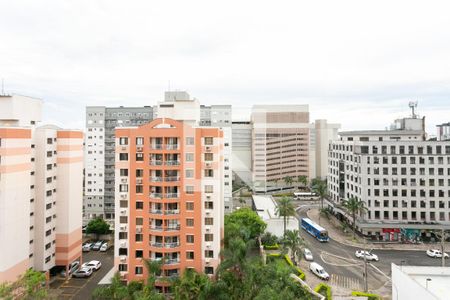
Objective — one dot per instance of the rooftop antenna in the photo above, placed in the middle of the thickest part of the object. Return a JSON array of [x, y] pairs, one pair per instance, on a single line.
[[413, 105]]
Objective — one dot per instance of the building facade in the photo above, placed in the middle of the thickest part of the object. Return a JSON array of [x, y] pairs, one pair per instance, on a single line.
[[321, 134], [40, 190], [100, 155], [169, 193], [242, 152], [403, 179], [443, 132]]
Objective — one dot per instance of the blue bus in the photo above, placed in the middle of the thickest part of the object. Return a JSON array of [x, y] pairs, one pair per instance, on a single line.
[[315, 230]]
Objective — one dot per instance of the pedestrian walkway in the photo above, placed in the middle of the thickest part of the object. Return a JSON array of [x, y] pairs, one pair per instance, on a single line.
[[336, 233], [350, 283]]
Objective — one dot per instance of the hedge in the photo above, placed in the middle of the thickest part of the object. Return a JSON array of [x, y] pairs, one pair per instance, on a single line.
[[271, 247], [369, 296], [301, 274], [324, 289]]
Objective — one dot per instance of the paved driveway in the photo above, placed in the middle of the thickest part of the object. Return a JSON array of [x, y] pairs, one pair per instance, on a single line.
[[82, 288]]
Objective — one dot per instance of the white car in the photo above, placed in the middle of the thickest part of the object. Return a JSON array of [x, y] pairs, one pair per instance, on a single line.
[[307, 254], [369, 255], [93, 264], [87, 247], [83, 272], [436, 253], [318, 271], [104, 247]]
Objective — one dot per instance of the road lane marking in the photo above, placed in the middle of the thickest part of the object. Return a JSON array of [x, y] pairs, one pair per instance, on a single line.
[[350, 262], [381, 272]]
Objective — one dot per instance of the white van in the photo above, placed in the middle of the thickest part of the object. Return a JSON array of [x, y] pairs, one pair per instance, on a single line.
[[319, 271]]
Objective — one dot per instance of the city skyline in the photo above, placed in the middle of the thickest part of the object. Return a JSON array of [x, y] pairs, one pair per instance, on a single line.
[[344, 65]]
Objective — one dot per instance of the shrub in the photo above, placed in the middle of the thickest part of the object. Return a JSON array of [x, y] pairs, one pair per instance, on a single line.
[[271, 247], [324, 290], [269, 239], [369, 296], [300, 274]]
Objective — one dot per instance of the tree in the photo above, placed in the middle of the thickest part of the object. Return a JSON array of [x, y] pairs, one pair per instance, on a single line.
[[320, 188], [245, 223], [288, 180], [303, 180], [30, 285], [191, 286], [285, 209], [295, 243], [114, 291], [97, 226], [354, 206]]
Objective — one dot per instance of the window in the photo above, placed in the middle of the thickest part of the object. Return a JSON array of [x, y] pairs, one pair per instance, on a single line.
[[139, 221], [189, 157], [123, 172], [209, 157], [139, 254], [209, 253], [189, 140], [209, 205], [190, 222], [189, 205], [209, 270], [189, 255], [139, 156], [139, 173], [123, 188], [139, 141], [138, 270], [123, 156], [209, 237], [189, 239], [189, 173], [123, 141], [139, 205], [209, 221], [209, 189], [209, 173], [209, 141], [189, 189]]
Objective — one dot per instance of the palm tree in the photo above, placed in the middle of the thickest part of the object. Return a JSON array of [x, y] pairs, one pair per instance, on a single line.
[[320, 188], [285, 209], [191, 286], [303, 180], [288, 180], [354, 206], [294, 242]]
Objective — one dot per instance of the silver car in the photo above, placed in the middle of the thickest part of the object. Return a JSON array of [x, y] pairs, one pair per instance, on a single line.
[[307, 254]]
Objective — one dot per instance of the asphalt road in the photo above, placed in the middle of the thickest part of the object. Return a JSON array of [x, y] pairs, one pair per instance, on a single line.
[[82, 288], [340, 262]]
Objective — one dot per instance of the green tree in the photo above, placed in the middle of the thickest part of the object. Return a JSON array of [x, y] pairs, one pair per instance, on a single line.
[[30, 285], [117, 290], [285, 209], [288, 180], [303, 180], [294, 242], [320, 188], [244, 222], [192, 286], [97, 226], [354, 206]]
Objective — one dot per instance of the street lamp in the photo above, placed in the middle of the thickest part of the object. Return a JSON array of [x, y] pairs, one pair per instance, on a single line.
[[426, 283]]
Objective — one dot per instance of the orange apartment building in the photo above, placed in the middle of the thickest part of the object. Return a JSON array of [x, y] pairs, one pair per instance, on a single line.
[[169, 198]]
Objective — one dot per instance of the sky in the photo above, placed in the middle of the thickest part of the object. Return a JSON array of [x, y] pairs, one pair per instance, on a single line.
[[357, 63]]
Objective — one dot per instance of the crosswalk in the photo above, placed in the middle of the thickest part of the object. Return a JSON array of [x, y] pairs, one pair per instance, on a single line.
[[345, 282]]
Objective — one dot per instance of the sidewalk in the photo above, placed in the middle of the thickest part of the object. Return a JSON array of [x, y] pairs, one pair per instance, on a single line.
[[333, 226]]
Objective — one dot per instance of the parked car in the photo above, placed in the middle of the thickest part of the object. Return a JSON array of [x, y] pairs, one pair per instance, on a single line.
[[369, 255], [307, 254], [73, 267], [87, 247], [97, 245], [105, 247], [83, 272], [436, 253], [93, 264], [319, 271]]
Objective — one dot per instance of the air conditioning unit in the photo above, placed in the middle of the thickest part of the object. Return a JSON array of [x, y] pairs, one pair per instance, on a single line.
[[208, 164], [139, 149], [208, 245], [207, 261], [123, 196], [123, 211], [138, 229], [124, 180], [123, 227], [208, 148], [208, 230], [123, 259], [208, 213], [123, 244], [138, 180], [208, 197], [124, 148]]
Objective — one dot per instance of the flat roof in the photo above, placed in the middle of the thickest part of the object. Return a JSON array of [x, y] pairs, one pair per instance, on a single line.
[[265, 206], [381, 132]]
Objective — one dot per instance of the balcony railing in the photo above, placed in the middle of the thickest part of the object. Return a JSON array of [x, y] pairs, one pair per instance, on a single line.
[[157, 179], [172, 146], [172, 162], [156, 244], [156, 162], [172, 245], [156, 195], [171, 261], [171, 211], [173, 228], [156, 228], [172, 195], [157, 146], [172, 178], [156, 211]]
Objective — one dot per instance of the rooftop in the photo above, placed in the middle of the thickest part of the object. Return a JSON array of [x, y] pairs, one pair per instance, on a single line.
[[381, 132]]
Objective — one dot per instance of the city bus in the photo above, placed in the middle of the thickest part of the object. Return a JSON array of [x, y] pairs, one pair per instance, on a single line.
[[305, 196], [315, 230]]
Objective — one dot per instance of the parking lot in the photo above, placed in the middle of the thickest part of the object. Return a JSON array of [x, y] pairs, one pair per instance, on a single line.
[[82, 288]]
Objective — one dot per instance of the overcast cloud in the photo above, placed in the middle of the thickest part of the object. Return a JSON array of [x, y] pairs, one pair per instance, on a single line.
[[354, 62]]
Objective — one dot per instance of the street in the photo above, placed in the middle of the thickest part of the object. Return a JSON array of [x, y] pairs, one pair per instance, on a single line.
[[346, 270], [82, 288]]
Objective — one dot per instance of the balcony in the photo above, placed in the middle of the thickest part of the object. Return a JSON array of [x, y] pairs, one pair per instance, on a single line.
[[156, 211], [171, 211], [172, 146], [172, 195], [172, 245], [157, 146], [172, 162], [156, 179], [172, 178], [171, 261], [156, 228], [156, 244], [156, 195], [173, 228], [156, 163]]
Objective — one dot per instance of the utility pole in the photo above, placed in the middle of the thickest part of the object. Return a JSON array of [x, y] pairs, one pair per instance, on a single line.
[[366, 288], [442, 246]]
